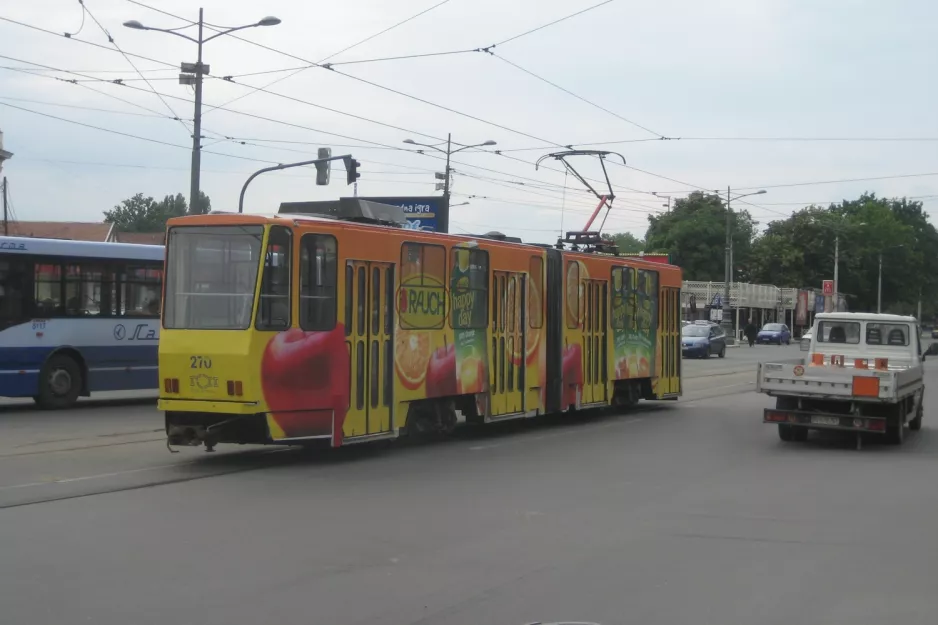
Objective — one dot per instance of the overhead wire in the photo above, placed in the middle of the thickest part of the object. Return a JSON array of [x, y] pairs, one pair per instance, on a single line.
[[111, 40], [549, 24], [657, 134], [85, 108], [346, 49], [84, 41], [129, 135]]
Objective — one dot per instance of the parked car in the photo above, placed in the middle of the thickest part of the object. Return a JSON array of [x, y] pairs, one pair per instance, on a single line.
[[777, 333], [702, 339]]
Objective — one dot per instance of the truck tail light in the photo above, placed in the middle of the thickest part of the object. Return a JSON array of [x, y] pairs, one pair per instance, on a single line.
[[235, 388], [171, 385], [861, 363], [876, 424], [776, 417], [882, 364], [837, 361], [817, 360]]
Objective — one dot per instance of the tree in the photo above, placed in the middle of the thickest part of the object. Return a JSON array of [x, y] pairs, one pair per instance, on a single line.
[[144, 214], [799, 252], [628, 243], [694, 233]]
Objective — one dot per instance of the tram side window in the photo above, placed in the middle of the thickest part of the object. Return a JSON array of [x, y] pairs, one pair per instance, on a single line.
[[422, 303], [535, 299], [274, 305], [470, 291], [318, 275], [572, 290]]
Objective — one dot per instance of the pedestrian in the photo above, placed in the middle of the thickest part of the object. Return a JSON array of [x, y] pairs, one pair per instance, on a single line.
[[750, 332]]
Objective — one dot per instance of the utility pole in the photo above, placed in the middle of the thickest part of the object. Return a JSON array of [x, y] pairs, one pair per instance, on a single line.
[[192, 75], [727, 270], [443, 224], [6, 220], [879, 286], [837, 263], [195, 175], [443, 219]]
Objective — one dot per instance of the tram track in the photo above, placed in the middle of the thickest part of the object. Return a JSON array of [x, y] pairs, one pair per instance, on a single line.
[[236, 462]]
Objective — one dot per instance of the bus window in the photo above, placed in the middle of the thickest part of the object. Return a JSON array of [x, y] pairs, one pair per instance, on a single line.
[[140, 290], [87, 289], [48, 281], [14, 293], [273, 309]]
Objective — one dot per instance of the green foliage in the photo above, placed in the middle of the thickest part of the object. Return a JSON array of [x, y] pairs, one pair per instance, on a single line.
[[694, 232], [144, 214], [628, 243], [799, 252]]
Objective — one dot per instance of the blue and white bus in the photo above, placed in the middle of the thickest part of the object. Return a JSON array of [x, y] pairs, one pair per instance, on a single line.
[[78, 317]]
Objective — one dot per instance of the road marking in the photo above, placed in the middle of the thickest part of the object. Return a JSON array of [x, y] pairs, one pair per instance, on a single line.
[[99, 476], [567, 432]]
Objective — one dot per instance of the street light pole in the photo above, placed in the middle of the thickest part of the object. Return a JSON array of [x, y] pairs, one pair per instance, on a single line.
[[444, 226], [197, 72], [879, 286], [727, 269], [443, 222], [726, 322], [836, 262], [195, 176]]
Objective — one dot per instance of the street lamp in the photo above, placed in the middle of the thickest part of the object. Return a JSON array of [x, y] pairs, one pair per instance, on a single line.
[[726, 322], [879, 282], [192, 75], [444, 222]]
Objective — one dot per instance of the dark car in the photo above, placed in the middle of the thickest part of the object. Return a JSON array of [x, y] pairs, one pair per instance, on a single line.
[[774, 333], [701, 340]]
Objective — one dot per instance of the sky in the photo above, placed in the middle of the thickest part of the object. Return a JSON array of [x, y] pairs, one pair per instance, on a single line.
[[741, 90]]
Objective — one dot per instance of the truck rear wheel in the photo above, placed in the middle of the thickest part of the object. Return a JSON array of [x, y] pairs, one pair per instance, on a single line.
[[916, 423], [895, 434]]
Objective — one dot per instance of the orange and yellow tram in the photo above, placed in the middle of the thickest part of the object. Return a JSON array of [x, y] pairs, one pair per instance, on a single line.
[[293, 329]]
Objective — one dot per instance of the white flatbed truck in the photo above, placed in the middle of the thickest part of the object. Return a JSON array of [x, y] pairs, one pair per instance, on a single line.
[[863, 374]]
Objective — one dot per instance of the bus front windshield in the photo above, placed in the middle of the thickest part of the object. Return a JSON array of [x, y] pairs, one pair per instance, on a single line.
[[211, 275]]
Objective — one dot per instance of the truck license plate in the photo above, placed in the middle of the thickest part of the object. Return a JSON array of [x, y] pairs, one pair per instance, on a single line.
[[825, 420]]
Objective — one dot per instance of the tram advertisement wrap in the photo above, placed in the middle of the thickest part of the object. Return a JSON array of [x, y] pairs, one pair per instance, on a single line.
[[634, 321], [469, 317]]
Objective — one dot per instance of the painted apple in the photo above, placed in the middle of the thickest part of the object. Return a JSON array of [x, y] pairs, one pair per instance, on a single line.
[[441, 372], [297, 360], [304, 376], [572, 366]]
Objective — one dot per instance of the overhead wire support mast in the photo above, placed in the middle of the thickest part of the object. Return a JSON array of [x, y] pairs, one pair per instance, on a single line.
[[586, 236]]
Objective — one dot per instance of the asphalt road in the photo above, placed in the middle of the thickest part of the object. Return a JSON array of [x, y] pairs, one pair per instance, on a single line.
[[686, 512]]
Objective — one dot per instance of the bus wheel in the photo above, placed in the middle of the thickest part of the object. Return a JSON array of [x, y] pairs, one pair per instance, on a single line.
[[59, 382]]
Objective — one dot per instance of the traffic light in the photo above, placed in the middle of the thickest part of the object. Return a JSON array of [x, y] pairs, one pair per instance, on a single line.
[[351, 167], [323, 169]]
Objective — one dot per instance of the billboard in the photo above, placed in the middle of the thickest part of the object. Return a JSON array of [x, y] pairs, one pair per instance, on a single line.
[[828, 287], [423, 213]]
